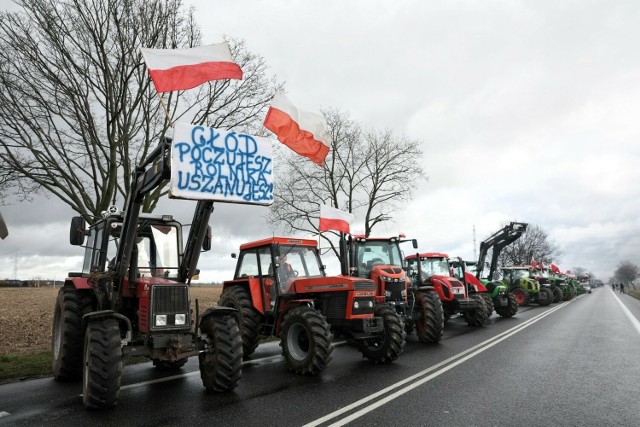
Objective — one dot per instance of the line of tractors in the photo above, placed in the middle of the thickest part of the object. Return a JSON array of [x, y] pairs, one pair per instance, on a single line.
[[132, 296]]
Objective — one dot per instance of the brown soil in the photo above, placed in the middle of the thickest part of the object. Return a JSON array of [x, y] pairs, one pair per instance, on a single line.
[[26, 316]]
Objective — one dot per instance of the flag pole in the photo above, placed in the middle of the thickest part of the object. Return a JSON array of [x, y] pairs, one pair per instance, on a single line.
[[164, 107]]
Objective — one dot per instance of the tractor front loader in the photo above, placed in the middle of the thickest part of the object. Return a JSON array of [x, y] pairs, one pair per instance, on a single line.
[[132, 297]]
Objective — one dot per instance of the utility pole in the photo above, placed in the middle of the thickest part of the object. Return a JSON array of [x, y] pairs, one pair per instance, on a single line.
[[475, 255]]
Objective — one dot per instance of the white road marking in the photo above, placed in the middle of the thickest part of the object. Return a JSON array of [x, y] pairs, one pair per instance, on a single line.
[[461, 358], [626, 311]]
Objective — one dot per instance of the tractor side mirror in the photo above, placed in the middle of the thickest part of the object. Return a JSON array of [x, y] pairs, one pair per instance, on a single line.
[[414, 242], [206, 243], [234, 255], [77, 231]]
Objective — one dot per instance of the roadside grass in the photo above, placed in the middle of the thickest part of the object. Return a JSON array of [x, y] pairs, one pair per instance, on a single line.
[[633, 293], [19, 367]]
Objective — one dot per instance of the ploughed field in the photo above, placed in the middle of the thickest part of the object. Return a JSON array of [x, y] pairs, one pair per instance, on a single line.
[[26, 316]]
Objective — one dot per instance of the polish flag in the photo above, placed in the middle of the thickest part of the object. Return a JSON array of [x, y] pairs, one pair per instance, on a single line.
[[555, 268], [334, 219], [534, 265], [181, 69], [305, 133]]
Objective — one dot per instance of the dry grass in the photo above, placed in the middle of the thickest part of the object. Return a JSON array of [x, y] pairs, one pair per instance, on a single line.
[[26, 316]]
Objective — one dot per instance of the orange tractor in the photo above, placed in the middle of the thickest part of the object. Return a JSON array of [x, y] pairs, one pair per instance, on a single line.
[[280, 289]]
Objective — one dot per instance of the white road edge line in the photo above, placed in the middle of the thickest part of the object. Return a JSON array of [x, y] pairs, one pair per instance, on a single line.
[[626, 311], [475, 350]]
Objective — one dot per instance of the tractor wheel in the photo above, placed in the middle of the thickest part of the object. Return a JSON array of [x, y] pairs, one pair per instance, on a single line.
[[385, 348], [488, 302], [239, 298], [557, 294], [430, 324], [66, 340], [477, 317], [221, 362], [511, 309], [545, 297], [573, 292], [522, 296], [306, 341], [165, 365], [102, 367]]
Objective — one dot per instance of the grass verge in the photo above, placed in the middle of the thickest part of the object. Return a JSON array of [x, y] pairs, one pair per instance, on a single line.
[[633, 293], [21, 367]]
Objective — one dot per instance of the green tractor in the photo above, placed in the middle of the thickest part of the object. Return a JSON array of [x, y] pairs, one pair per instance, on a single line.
[[562, 290], [524, 287]]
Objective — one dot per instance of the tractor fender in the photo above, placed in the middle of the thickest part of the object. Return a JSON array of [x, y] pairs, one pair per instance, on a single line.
[[287, 306], [219, 311], [426, 288], [77, 282], [253, 286], [89, 317]]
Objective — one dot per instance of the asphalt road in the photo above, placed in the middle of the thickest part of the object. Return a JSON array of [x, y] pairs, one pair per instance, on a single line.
[[569, 364]]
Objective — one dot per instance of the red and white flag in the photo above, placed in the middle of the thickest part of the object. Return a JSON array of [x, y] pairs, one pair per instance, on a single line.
[[305, 133], [334, 219], [181, 69], [534, 265], [555, 268]]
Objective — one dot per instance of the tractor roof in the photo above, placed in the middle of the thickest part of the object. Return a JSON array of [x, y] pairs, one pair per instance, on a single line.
[[517, 267], [279, 241], [428, 255]]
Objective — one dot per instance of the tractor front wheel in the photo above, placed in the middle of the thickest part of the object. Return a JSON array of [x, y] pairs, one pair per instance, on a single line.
[[66, 341], [221, 362], [306, 341], [557, 294], [430, 323], [511, 309], [102, 364], [545, 297], [385, 348], [477, 317], [238, 297], [488, 303]]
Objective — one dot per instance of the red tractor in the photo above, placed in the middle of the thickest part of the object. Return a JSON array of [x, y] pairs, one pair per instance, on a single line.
[[132, 298], [456, 297], [280, 289], [381, 259]]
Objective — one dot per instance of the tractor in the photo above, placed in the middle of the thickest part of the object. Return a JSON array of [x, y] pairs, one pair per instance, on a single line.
[[497, 294], [562, 290], [132, 297], [280, 289], [417, 304], [524, 287], [456, 297]]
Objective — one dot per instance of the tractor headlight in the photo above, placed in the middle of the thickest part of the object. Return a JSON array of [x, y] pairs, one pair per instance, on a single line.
[[356, 305], [370, 304], [161, 320], [404, 293], [387, 294], [386, 278], [181, 319]]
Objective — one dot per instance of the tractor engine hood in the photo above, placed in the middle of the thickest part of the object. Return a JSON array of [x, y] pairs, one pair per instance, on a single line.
[[449, 281], [332, 284]]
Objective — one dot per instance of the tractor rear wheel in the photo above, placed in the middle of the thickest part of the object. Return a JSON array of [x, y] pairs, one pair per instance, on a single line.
[[66, 341], [477, 317], [238, 297], [511, 309], [430, 324], [488, 302], [306, 341], [102, 367], [221, 362], [386, 347], [522, 296]]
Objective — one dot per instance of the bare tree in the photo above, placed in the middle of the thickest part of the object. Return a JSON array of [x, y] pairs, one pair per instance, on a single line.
[[533, 244], [78, 108], [627, 272], [367, 172]]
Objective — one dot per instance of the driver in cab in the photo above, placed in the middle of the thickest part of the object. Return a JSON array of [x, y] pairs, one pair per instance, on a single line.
[[285, 271]]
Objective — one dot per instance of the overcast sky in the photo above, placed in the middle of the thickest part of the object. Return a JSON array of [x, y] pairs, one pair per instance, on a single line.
[[527, 110]]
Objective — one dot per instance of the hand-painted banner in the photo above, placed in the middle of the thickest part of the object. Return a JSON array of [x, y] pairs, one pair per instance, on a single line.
[[226, 166]]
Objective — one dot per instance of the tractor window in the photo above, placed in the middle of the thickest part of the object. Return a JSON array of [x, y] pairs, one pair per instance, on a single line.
[[435, 267], [372, 253], [157, 248], [248, 265], [303, 261], [264, 255], [93, 251]]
